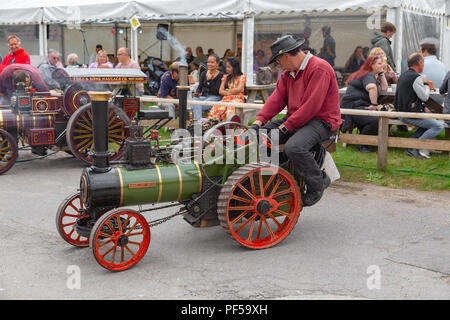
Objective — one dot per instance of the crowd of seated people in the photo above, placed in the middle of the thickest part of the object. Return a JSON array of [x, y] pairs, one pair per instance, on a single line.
[[221, 79], [218, 80], [43, 76], [412, 94]]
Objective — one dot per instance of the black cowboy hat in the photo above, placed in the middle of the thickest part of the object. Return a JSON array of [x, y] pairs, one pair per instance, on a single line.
[[284, 44]]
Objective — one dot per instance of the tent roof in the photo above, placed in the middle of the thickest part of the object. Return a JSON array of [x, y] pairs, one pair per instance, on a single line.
[[304, 6], [76, 11]]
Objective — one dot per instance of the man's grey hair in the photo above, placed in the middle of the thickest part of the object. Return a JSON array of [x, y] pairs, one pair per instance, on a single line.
[[50, 51], [72, 58]]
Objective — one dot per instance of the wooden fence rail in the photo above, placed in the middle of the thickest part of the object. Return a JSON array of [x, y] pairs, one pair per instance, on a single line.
[[383, 141]]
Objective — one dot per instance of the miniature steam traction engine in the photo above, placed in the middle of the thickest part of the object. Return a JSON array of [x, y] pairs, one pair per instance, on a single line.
[[42, 120], [258, 204]]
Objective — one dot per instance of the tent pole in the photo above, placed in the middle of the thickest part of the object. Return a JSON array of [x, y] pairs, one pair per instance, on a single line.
[[134, 45], [116, 38], [445, 36], [42, 39], [234, 36], [248, 30], [398, 38]]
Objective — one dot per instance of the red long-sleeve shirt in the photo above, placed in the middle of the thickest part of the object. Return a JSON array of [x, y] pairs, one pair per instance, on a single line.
[[312, 94], [18, 56]]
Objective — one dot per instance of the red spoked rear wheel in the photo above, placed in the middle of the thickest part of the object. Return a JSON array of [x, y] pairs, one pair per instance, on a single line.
[[8, 151], [69, 212], [259, 205], [119, 239]]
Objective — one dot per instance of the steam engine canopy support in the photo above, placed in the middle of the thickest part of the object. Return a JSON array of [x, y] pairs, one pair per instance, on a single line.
[[183, 89]]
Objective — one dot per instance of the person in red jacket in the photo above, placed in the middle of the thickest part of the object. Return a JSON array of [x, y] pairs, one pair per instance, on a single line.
[[309, 88], [16, 55]]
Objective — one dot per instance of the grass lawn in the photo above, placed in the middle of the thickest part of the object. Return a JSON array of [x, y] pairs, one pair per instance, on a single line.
[[403, 172]]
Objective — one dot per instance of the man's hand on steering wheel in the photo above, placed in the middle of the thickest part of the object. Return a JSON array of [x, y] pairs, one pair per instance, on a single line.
[[254, 127]]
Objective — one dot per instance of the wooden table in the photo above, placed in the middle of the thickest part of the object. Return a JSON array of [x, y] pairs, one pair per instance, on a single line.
[[261, 89], [252, 91]]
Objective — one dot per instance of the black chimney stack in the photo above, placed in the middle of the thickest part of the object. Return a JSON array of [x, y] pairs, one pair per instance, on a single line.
[[183, 89], [100, 155]]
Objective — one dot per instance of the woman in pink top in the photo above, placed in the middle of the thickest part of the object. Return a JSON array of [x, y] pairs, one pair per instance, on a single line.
[[102, 61]]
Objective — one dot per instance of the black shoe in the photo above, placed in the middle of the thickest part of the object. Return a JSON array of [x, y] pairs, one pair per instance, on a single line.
[[40, 151], [312, 197], [414, 153], [364, 149]]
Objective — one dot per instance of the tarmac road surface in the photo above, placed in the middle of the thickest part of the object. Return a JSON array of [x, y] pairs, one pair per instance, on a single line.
[[358, 242]]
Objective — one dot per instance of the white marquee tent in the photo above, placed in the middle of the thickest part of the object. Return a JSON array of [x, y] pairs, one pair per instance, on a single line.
[[57, 11], [43, 12]]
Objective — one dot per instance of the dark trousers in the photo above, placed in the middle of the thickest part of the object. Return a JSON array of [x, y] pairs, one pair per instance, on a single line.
[[366, 124], [297, 146]]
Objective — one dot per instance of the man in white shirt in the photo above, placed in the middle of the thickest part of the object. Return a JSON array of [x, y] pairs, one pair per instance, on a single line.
[[433, 69], [125, 62]]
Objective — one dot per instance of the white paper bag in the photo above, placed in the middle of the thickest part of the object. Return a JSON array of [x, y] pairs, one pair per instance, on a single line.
[[330, 167]]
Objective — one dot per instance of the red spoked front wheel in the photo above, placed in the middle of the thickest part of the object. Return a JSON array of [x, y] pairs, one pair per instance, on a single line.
[[259, 205], [8, 151], [69, 212], [119, 239]]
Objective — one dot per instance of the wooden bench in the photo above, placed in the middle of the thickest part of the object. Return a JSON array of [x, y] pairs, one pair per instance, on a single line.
[[398, 122], [383, 141]]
